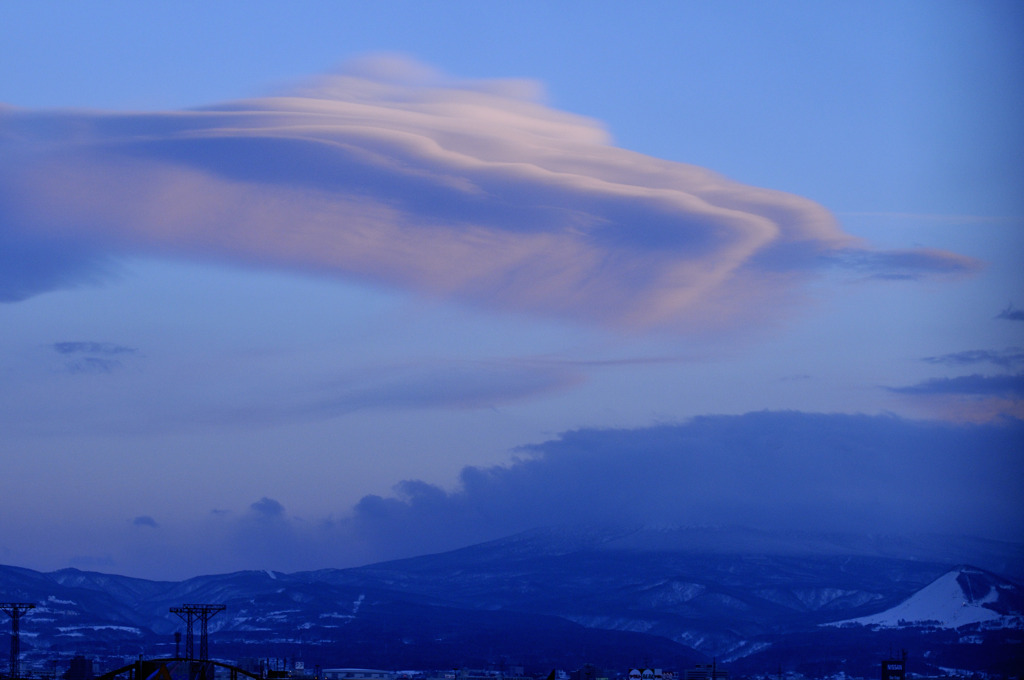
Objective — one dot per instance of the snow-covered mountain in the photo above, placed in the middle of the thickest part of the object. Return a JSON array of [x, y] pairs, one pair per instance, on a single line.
[[960, 597], [616, 597]]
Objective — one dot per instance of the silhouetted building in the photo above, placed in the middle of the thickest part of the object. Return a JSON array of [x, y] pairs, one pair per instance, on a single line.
[[895, 669], [510, 673], [650, 674], [251, 664], [588, 672], [80, 669], [357, 674], [706, 672]]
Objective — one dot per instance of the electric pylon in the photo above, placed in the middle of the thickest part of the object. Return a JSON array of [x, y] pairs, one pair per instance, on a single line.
[[15, 610], [189, 613]]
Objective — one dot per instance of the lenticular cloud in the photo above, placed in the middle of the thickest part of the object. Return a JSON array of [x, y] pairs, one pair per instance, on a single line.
[[392, 174]]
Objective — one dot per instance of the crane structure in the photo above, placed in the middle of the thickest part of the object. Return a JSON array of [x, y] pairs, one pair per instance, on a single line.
[[15, 611], [189, 613]]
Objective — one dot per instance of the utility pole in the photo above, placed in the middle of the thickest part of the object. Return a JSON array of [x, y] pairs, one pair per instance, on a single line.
[[15, 610]]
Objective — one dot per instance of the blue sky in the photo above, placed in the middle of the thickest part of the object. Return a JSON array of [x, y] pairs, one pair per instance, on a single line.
[[313, 286]]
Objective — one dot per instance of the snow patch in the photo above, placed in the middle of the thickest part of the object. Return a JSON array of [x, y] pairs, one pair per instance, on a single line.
[[746, 649], [941, 603], [57, 600], [73, 630]]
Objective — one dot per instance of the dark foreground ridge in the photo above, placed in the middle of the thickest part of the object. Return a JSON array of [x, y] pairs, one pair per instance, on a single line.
[[753, 603]]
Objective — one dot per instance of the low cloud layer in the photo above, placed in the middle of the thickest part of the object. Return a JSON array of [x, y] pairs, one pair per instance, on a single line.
[[766, 471], [393, 174], [874, 474]]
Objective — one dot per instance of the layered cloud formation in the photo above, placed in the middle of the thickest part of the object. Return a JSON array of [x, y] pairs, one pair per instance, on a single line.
[[393, 174]]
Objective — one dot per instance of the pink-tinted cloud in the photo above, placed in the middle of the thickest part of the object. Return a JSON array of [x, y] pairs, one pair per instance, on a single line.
[[391, 173]]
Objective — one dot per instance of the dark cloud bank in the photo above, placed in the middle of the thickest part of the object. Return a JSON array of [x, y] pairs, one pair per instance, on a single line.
[[1011, 314], [767, 471]]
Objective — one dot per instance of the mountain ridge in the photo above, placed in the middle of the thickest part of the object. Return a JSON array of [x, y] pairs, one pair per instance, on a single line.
[[615, 596]]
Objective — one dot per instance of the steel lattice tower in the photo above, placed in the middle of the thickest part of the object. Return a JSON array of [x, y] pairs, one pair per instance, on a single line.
[[15, 610], [189, 613], [186, 616]]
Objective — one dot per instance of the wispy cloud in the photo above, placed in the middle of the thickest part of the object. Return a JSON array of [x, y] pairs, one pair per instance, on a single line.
[[414, 386], [1008, 220], [145, 521], [391, 173], [428, 384], [1008, 386], [92, 357], [92, 365], [1008, 358], [903, 264], [241, 396], [77, 347], [969, 398], [447, 384]]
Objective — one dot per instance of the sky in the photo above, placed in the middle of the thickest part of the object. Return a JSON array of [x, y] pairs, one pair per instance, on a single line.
[[317, 285]]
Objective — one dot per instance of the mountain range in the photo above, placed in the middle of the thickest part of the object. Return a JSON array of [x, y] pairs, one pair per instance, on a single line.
[[616, 597]]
